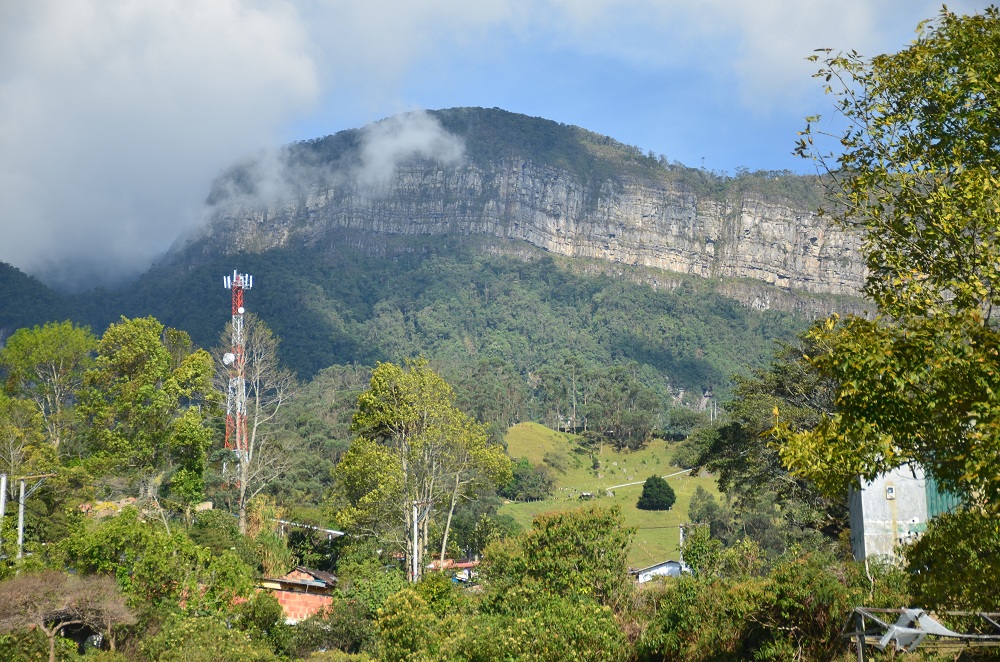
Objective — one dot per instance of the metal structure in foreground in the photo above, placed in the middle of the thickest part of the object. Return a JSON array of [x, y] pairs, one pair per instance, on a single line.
[[235, 360], [903, 630]]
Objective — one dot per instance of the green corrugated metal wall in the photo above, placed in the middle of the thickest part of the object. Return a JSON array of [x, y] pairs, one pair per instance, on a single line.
[[939, 500]]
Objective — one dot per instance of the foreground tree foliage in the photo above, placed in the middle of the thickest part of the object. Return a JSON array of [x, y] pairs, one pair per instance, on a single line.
[[952, 565], [141, 404], [156, 567], [416, 454], [573, 554], [735, 605], [550, 594], [916, 174]]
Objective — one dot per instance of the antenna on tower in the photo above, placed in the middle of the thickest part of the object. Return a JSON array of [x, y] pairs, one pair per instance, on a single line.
[[235, 360]]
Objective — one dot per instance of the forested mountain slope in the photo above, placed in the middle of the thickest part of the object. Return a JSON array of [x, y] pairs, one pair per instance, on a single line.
[[491, 323], [528, 250]]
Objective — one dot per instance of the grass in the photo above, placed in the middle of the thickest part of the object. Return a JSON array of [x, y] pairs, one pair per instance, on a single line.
[[657, 535]]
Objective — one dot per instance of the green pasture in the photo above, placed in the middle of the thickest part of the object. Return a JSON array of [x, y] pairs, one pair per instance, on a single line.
[[657, 534]]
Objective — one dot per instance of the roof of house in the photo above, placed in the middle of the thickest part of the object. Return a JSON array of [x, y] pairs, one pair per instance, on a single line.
[[655, 566], [319, 579], [318, 574]]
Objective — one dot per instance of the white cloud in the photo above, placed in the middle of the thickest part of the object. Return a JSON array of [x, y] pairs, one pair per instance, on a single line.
[[115, 114], [387, 144]]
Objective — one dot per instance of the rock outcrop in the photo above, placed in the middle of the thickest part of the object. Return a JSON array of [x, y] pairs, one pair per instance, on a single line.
[[627, 219]]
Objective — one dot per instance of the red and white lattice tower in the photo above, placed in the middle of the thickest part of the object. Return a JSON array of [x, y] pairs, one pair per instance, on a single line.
[[235, 360]]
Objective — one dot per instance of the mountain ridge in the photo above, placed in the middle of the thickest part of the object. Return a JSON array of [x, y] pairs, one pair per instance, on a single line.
[[560, 188]]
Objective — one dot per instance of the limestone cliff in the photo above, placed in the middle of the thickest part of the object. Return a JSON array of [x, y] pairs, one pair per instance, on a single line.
[[637, 216]]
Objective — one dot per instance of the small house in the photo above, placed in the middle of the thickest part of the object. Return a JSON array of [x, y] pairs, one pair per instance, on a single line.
[[662, 569], [893, 510], [302, 593]]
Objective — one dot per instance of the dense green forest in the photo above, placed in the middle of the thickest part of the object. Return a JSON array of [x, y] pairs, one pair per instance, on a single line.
[[491, 324]]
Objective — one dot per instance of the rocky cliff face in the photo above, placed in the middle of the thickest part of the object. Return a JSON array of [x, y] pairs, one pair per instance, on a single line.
[[630, 220]]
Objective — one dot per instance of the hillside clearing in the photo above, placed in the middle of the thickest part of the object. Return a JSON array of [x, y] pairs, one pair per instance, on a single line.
[[657, 534]]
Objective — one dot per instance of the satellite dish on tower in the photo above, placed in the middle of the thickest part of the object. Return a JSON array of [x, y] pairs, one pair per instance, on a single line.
[[241, 310], [228, 358]]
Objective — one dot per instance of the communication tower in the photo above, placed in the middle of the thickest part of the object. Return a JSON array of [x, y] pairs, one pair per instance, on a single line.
[[235, 360]]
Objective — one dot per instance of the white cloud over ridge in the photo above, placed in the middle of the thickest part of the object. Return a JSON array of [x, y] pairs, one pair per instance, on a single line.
[[116, 114]]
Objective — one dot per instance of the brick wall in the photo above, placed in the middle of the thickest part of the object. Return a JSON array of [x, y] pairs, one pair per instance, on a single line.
[[299, 605]]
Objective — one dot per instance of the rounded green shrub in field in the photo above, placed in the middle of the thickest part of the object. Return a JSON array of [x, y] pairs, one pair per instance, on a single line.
[[656, 495]]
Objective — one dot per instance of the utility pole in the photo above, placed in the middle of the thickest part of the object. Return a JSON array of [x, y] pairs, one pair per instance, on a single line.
[[3, 507], [20, 523], [20, 506]]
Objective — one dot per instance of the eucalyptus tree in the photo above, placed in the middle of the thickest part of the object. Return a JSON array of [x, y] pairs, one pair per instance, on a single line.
[[415, 455], [45, 365]]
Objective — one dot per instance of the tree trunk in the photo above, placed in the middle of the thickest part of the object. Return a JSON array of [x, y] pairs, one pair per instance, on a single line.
[[242, 507], [447, 525], [51, 634]]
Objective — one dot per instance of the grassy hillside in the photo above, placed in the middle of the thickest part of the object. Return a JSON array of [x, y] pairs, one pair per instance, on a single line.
[[621, 473]]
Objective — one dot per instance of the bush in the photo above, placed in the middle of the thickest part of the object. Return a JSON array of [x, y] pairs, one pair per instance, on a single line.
[[408, 628], [551, 629], [343, 626], [203, 639], [954, 565], [573, 554], [656, 495]]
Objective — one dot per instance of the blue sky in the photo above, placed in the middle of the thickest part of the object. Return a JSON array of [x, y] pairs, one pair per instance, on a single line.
[[115, 115]]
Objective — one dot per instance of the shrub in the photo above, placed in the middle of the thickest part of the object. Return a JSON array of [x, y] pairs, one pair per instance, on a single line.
[[656, 495]]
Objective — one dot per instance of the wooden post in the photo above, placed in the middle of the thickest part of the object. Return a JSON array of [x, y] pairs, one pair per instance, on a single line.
[[861, 636]]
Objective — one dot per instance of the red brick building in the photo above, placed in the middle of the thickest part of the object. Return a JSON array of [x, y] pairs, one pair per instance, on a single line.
[[302, 592]]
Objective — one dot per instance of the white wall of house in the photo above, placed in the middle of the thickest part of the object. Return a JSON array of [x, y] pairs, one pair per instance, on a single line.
[[888, 512]]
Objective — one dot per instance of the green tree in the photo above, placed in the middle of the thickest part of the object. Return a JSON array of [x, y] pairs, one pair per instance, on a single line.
[[45, 365], [915, 173], [204, 639], [143, 404], [580, 553], [656, 495], [21, 435], [426, 451], [154, 567], [408, 628], [528, 482], [551, 628], [951, 564], [777, 509]]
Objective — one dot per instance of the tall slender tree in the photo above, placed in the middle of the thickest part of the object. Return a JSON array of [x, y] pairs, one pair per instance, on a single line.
[[431, 454], [269, 386]]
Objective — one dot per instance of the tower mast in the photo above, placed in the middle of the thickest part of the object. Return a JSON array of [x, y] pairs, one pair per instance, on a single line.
[[235, 360]]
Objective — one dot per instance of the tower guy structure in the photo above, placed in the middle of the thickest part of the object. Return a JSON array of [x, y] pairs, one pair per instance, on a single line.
[[235, 360]]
